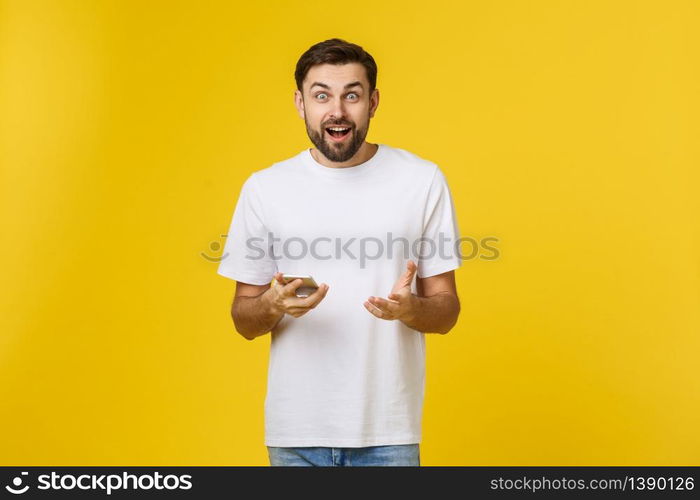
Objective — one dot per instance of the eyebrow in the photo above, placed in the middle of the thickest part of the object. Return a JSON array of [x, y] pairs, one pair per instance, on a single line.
[[352, 84]]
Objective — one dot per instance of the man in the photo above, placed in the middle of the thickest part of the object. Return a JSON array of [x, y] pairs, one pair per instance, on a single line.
[[346, 371]]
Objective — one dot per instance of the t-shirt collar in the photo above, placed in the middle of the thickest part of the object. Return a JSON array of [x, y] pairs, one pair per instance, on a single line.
[[353, 171]]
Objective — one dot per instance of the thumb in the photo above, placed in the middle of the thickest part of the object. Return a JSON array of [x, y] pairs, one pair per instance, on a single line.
[[410, 272], [406, 278], [411, 267]]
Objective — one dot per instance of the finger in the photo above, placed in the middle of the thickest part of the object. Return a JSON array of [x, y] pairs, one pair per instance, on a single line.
[[297, 311], [309, 302], [276, 280], [315, 297], [388, 308], [378, 313], [411, 269], [395, 297], [279, 279], [412, 266], [407, 277], [290, 288]]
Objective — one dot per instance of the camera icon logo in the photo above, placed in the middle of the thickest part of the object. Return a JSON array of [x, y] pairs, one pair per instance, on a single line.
[[17, 482]]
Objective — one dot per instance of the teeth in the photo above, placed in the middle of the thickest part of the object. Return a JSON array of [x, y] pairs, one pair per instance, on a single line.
[[338, 129]]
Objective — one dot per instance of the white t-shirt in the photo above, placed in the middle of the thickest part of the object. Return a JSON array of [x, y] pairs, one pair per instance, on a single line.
[[338, 376]]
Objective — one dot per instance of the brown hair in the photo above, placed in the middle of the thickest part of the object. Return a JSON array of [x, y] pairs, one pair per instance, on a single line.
[[335, 51]]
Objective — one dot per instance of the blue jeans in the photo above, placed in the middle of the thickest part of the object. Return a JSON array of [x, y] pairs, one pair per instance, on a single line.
[[392, 455]]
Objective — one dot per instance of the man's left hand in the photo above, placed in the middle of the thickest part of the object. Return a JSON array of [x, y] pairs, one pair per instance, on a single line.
[[400, 304]]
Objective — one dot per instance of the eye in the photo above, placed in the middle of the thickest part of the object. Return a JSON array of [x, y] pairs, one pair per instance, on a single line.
[[320, 94], [353, 93]]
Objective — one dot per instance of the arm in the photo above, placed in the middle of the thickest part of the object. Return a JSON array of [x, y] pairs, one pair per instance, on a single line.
[[252, 311], [436, 306]]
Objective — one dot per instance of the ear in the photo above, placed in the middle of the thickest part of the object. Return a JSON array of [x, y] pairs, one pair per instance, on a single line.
[[373, 102], [299, 103]]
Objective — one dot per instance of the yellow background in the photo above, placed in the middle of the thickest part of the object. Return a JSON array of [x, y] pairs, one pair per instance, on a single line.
[[566, 129]]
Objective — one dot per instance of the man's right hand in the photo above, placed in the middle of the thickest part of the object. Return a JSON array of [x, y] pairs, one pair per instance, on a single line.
[[282, 297]]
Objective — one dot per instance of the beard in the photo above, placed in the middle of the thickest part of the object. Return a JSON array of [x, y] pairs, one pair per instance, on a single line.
[[338, 152]]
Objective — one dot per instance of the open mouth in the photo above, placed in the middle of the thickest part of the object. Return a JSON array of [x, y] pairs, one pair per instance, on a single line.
[[338, 133]]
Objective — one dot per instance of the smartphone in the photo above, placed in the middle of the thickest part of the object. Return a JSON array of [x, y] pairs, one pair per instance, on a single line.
[[308, 285]]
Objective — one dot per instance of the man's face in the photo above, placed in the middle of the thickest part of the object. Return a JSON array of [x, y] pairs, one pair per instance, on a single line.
[[337, 96]]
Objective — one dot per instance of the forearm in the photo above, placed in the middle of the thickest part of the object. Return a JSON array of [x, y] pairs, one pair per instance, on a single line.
[[435, 314], [255, 316]]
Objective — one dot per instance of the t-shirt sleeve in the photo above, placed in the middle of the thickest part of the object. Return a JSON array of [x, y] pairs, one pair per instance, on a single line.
[[439, 252], [247, 256]]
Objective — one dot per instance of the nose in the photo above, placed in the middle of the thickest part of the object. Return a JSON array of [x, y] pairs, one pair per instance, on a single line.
[[338, 109]]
